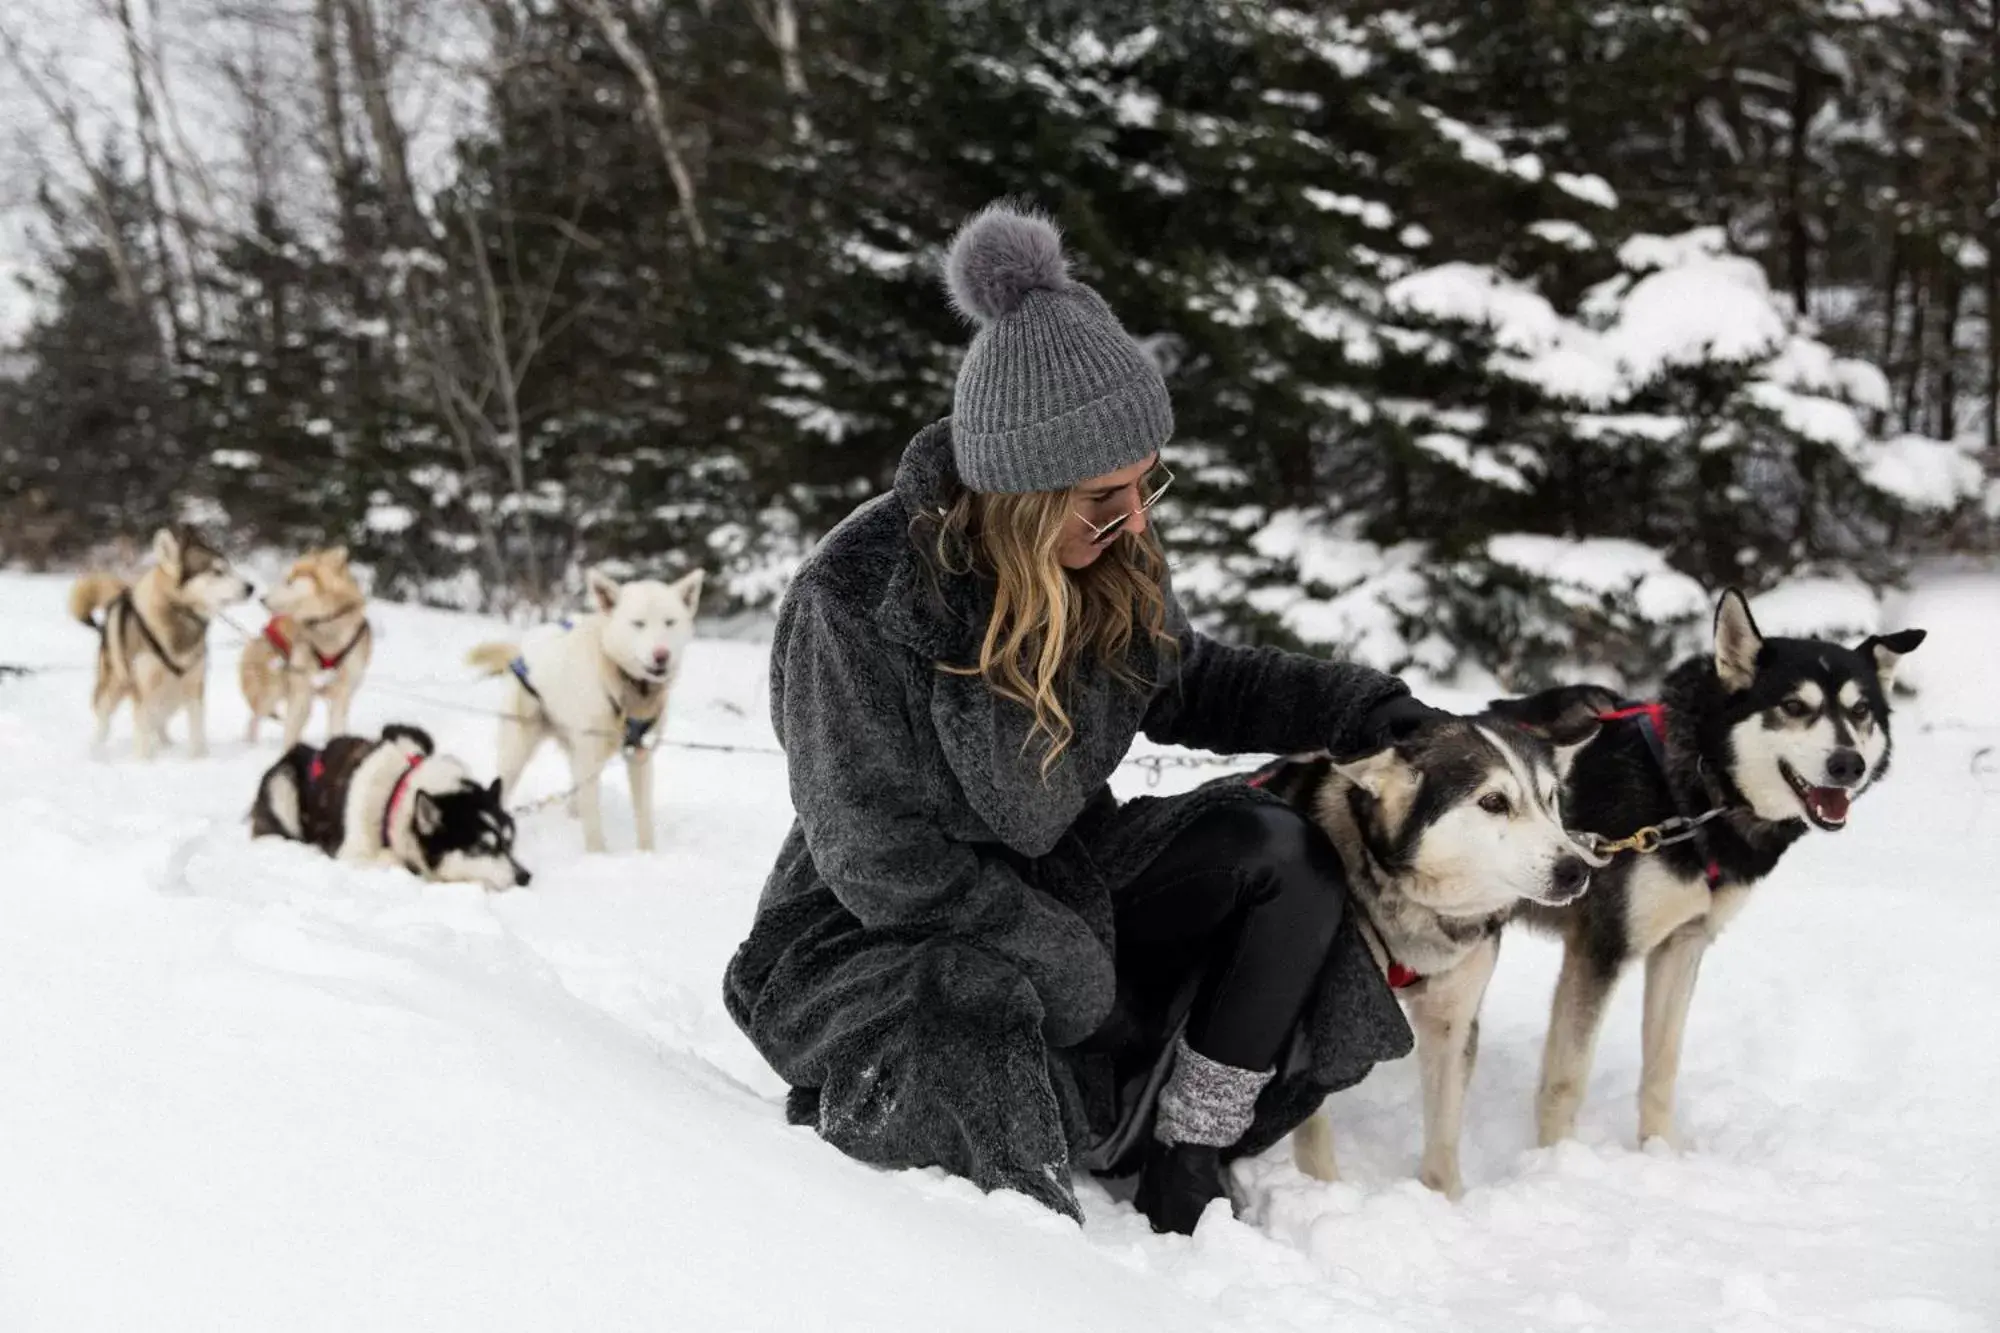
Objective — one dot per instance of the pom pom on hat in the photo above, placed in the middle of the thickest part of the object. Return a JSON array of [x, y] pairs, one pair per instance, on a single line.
[[999, 257]]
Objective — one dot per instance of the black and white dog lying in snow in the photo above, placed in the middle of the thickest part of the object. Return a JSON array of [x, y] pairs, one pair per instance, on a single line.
[[393, 801], [1744, 751]]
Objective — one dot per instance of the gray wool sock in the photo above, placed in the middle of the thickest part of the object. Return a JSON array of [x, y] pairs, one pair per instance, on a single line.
[[1205, 1101]]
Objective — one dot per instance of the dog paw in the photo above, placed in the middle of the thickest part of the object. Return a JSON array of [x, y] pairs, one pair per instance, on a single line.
[[1444, 1178]]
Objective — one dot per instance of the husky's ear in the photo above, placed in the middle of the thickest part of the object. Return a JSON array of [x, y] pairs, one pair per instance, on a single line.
[[1567, 715], [603, 590], [337, 557], [1566, 754], [689, 587], [1737, 642], [1385, 775], [1886, 650], [167, 550], [493, 790], [425, 815]]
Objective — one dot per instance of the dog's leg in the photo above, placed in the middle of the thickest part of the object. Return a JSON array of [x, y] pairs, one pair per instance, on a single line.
[[298, 704], [104, 701], [639, 771], [1670, 974], [196, 705], [1581, 991], [339, 698], [1447, 1014], [1312, 1147], [587, 762], [147, 724], [519, 739], [250, 676]]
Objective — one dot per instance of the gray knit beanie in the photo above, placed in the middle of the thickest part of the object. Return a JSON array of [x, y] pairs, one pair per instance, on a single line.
[[1053, 391]]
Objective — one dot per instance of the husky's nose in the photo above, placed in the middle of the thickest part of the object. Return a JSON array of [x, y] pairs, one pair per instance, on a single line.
[[661, 656], [1570, 877], [1845, 767], [521, 877]]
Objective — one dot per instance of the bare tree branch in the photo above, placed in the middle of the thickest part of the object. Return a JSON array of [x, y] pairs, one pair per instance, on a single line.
[[779, 21], [63, 113], [627, 50]]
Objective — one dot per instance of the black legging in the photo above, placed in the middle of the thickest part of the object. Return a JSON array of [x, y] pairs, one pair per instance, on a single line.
[[1250, 897]]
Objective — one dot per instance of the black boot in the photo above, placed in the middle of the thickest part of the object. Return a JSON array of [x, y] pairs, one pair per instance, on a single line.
[[1177, 1182]]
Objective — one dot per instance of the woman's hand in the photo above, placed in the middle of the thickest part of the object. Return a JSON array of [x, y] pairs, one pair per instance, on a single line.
[[1396, 720]]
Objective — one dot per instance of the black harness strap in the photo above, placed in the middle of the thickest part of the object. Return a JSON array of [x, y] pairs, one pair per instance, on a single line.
[[153, 643], [519, 666], [1651, 718]]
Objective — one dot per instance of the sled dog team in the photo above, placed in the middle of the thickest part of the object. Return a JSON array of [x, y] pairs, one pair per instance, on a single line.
[[1629, 829], [596, 685]]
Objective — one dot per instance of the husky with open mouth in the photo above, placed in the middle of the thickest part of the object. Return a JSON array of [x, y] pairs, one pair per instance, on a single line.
[[1744, 751]]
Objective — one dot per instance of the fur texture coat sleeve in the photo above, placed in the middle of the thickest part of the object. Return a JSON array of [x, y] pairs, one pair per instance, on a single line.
[[841, 712], [1236, 700]]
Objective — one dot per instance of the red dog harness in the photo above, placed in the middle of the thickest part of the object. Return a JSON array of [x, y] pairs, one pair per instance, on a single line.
[[276, 638], [396, 794]]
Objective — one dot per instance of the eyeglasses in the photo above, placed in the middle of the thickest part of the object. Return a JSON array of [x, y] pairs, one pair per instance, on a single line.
[[1151, 487]]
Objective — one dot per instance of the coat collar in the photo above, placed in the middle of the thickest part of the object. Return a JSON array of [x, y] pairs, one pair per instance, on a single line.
[[936, 613]]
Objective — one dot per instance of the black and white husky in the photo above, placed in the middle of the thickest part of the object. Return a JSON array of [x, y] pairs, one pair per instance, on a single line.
[[1443, 836], [1744, 751], [390, 801]]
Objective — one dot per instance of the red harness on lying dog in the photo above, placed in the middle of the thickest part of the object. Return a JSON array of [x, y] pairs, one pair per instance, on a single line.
[[396, 794]]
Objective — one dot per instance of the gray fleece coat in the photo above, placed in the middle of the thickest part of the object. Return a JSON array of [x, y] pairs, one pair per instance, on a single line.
[[936, 938]]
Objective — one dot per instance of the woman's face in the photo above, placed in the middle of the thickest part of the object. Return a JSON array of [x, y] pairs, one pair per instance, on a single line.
[[1099, 501]]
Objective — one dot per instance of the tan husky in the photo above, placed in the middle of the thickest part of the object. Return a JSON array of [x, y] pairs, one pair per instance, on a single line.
[[317, 645], [153, 637]]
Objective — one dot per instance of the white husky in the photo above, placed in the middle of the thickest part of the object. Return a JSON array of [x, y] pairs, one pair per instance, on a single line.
[[595, 685]]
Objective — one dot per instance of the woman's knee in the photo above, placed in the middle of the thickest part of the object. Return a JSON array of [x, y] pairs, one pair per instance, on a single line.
[[1288, 864]]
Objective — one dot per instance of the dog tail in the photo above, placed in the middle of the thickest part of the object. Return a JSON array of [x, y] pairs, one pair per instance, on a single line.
[[491, 659], [91, 594], [409, 739], [279, 810]]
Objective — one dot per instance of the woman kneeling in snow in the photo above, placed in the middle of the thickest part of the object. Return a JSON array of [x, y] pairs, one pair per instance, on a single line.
[[969, 954]]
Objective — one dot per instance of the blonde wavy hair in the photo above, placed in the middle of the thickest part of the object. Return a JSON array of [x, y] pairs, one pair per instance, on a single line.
[[1047, 618]]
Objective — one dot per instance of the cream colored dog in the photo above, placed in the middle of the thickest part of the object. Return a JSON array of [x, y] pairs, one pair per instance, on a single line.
[[596, 685], [152, 640], [316, 645]]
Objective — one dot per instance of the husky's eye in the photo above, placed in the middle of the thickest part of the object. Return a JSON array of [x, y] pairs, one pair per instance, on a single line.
[[1859, 712], [1796, 708], [1495, 803]]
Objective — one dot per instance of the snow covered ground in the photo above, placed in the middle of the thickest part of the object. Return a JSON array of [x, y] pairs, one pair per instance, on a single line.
[[241, 1088]]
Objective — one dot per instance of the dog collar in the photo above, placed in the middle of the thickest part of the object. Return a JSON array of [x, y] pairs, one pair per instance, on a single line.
[[396, 794]]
